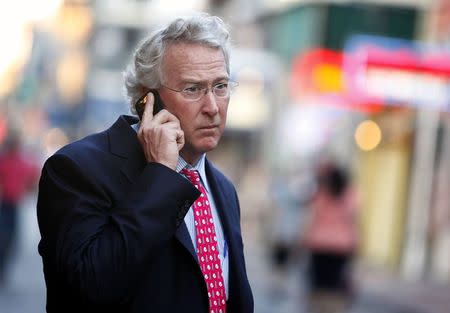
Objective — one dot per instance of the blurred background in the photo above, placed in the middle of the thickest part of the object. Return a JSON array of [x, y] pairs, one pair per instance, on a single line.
[[362, 84]]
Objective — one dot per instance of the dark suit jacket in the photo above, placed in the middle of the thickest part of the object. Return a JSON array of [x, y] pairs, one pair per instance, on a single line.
[[113, 235]]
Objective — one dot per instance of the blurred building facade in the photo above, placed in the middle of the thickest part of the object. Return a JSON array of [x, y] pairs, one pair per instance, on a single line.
[[402, 175]]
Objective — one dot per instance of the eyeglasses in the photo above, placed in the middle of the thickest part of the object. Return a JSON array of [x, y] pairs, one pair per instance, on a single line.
[[194, 93]]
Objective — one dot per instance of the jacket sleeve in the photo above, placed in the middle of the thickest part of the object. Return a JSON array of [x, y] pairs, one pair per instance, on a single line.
[[97, 248]]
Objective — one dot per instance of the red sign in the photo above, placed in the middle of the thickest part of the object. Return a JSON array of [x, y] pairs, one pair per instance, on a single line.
[[318, 75], [397, 72]]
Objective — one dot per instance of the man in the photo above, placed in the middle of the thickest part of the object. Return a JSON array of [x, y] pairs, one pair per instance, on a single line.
[[118, 230]]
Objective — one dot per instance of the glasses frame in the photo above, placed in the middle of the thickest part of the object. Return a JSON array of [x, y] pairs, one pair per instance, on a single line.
[[231, 85]]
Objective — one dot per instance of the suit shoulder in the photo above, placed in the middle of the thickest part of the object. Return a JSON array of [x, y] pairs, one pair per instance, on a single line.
[[85, 148]]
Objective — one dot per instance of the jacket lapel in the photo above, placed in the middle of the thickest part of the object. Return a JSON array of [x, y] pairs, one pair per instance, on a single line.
[[182, 235], [220, 200], [226, 210]]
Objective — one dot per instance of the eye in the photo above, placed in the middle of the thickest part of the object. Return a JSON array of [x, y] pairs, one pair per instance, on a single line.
[[221, 86], [192, 90]]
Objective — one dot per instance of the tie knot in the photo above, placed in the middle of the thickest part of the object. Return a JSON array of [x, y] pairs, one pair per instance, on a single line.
[[192, 175]]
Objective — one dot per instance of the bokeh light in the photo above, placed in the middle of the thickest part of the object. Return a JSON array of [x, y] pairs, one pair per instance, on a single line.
[[368, 135]]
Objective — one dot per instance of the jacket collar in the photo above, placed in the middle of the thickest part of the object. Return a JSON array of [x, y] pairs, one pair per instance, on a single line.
[[122, 138], [124, 143]]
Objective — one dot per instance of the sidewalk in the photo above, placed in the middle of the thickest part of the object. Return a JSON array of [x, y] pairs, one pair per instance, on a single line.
[[25, 291], [376, 292], [411, 296]]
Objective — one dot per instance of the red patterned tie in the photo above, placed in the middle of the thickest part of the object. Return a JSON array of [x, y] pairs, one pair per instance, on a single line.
[[207, 248]]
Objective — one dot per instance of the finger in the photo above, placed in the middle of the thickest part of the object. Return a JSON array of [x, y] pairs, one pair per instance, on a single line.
[[165, 116], [180, 139], [172, 125], [148, 110]]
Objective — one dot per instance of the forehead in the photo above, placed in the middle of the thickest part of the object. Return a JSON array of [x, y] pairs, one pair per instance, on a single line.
[[193, 62]]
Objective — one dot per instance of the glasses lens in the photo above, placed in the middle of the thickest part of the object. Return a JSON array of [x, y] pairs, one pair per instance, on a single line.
[[192, 93], [221, 90]]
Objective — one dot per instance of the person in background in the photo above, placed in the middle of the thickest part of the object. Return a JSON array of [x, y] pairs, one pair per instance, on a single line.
[[136, 218], [18, 175], [331, 239]]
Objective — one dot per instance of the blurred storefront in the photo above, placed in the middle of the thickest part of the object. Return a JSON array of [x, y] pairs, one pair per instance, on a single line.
[[396, 174]]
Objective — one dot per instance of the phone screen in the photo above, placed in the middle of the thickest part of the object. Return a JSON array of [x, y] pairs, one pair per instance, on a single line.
[[157, 106]]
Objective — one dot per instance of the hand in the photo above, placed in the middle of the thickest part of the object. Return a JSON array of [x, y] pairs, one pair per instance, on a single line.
[[161, 136]]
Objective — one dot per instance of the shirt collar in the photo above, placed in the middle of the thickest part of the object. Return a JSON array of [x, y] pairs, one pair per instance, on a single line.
[[199, 166], [136, 126]]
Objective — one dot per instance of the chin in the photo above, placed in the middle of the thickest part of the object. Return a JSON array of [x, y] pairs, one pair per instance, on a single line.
[[208, 145], [207, 148]]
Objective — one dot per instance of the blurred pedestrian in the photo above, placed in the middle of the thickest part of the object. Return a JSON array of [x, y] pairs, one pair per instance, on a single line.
[[291, 191], [331, 239], [136, 218], [18, 175]]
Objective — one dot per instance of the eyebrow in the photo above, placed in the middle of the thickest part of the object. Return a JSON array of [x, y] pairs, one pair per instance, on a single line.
[[199, 82]]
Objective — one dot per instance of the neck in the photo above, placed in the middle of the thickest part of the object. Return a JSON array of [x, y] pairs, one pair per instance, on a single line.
[[190, 158]]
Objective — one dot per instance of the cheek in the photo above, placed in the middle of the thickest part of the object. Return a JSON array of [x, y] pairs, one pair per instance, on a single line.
[[187, 124], [223, 115], [184, 116]]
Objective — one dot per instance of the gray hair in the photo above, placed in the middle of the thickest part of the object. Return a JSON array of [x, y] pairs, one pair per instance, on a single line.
[[144, 71]]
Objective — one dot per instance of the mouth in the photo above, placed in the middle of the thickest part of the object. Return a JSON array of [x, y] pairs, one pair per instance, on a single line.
[[209, 127]]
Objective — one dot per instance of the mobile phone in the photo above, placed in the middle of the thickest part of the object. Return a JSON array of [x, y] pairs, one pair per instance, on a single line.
[[158, 105]]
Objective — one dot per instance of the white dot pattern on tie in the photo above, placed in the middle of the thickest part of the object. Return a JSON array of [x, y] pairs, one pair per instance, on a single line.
[[207, 250]]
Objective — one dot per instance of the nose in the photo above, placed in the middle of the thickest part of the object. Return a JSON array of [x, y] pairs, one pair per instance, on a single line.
[[209, 103]]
